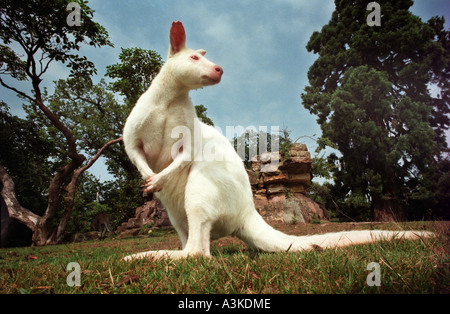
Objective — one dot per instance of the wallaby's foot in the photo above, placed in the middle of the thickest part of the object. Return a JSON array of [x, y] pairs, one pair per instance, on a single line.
[[148, 255], [158, 255]]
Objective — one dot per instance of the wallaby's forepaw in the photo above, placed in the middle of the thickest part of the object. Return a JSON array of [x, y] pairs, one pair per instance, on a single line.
[[154, 183]]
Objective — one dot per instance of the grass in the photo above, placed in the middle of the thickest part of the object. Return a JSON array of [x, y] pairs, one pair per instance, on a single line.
[[406, 266]]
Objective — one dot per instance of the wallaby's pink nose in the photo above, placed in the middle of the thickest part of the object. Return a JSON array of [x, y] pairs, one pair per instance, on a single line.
[[215, 75], [218, 69]]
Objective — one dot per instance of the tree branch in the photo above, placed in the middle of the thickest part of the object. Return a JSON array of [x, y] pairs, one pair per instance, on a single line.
[[17, 91], [46, 66], [99, 153], [72, 151], [15, 210]]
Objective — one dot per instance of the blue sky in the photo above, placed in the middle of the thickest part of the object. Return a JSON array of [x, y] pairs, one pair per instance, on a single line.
[[259, 44]]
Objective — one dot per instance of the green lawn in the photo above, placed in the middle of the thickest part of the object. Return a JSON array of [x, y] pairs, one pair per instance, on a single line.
[[420, 266]]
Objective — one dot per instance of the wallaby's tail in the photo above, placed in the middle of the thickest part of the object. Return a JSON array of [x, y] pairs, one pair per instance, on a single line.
[[257, 233]]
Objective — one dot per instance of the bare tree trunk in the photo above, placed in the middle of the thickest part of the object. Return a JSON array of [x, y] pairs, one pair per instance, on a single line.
[[44, 232], [15, 210]]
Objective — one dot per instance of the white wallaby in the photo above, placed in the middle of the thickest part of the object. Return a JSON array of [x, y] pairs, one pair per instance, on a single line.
[[206, 198]]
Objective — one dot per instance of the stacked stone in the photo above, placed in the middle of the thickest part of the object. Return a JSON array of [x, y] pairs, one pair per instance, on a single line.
[[290, 178], [279, 182]]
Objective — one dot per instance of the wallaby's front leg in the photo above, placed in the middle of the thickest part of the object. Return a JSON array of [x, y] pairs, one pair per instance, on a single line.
[[155, 183], [137, 155]]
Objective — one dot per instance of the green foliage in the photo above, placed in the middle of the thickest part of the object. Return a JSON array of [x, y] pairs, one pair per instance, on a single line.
[[319, 193], [135, 72], [41, 27], [285, 142], [11, 64], [99, 117], [200, 110], [96, 208], [89, 201], [322, 167], [123, 195], [369, 89]]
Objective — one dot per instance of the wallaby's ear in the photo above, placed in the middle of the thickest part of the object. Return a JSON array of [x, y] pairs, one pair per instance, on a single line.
[[177, 38], [202, 51]]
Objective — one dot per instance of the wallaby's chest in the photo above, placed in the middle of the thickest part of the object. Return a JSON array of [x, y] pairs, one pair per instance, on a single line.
[[163, 130]]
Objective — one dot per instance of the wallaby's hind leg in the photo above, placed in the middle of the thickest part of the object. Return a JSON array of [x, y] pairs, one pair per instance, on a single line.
[[198, 242], [181, 228]]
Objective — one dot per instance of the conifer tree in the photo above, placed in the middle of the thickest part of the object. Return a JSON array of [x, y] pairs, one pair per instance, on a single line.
[[369, 88]]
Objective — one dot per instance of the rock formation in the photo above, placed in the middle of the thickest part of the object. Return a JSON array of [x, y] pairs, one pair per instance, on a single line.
[[279, 192], [152, 212]]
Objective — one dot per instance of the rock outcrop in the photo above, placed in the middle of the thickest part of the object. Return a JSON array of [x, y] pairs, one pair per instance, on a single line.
[[152, 212], [279, 191]]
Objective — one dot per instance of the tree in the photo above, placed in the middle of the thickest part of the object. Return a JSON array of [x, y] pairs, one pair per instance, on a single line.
[[369, 89], [440, 119], [40, 31], [385, 148]]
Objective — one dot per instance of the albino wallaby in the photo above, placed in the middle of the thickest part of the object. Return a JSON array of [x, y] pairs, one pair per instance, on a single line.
[[205, 199]]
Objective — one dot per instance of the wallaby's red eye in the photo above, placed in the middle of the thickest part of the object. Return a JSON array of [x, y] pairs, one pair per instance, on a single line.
[[194, 57]]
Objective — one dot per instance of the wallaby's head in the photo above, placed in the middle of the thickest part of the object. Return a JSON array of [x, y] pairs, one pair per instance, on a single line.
[[190, 67]]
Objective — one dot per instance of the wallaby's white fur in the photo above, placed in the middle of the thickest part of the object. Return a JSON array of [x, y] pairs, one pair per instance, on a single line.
[[205, 199]]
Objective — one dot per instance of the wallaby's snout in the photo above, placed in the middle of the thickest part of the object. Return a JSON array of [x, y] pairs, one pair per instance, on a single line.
[[218, 73], [215, 76]]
